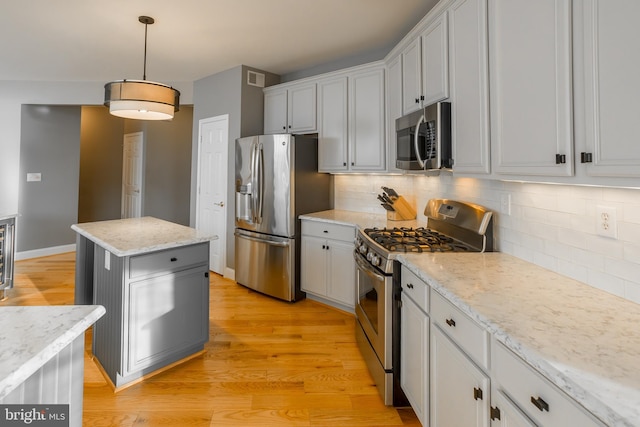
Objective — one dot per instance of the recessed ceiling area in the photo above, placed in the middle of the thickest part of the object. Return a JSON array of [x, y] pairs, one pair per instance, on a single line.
[[83, 40]]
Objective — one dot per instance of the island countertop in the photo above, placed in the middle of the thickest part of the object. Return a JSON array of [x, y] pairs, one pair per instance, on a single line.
[[132, 236], [36, 335]]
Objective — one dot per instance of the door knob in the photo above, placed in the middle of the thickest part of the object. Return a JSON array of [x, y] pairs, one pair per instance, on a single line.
[[221, 204]]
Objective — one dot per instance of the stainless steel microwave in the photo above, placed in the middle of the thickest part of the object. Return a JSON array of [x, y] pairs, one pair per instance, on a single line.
[[423, 139]]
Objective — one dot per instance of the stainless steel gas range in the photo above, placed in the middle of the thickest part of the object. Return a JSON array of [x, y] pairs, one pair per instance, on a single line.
[[452, 226]]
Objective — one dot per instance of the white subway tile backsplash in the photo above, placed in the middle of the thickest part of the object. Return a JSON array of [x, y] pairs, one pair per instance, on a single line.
[[553, 226]]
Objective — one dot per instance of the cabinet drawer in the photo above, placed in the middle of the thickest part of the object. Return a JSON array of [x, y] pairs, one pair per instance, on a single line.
[[415, 288], [524, 385], [345, 233], [168, 260], [464, 331]]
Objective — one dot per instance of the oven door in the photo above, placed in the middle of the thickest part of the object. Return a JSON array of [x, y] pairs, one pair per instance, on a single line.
[[373, 308]]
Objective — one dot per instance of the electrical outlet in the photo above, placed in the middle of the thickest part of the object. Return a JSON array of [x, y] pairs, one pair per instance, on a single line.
[[606, 222], [505, 203]]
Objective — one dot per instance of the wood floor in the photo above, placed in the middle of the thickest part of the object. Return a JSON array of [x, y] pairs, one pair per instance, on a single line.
[[267, 363]]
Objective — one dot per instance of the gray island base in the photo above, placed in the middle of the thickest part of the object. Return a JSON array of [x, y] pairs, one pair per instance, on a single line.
[[152, 277]]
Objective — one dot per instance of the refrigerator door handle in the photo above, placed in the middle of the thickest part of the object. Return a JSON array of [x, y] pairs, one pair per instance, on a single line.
[[254, 187], [260, 170], [268, 242]]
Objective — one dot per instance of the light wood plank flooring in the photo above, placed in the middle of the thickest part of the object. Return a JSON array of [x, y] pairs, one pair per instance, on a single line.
[[267, 363]]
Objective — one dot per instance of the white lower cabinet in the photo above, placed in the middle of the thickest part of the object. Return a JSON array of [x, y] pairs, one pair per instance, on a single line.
[[327, 265], [505, 413], [459, 389], [540, 400], [414, 344]]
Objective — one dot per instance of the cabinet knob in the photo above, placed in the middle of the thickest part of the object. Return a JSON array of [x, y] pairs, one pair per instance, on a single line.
[[451, 322], [344, 164], [284, 128], [539, 403], [417, 101]]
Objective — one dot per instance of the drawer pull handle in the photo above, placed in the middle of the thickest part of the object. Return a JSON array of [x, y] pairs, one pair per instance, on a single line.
[[325, 231], [451, 322], [410, 285], [174, 259], [540, 404]]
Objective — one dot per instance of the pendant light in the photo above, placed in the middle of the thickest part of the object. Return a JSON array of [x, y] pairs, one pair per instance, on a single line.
[[141, 99]]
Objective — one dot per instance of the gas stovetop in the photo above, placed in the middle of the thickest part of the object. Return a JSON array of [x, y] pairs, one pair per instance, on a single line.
[[452, 227], [420, 239]]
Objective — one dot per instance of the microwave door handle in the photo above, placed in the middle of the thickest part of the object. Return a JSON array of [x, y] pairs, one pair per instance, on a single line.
[[415, 142]]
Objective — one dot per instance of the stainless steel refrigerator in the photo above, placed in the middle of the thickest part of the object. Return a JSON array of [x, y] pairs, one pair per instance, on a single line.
[[277, 180]]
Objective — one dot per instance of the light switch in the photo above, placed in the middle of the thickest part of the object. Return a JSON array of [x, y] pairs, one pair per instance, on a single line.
[[34, 177]]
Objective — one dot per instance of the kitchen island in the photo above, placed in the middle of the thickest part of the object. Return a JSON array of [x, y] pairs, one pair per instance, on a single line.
[[42, 356], [152, 276]]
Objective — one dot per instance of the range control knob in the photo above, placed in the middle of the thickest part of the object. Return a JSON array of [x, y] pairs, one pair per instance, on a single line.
[[363, 248], [375, 260], [370, 256]]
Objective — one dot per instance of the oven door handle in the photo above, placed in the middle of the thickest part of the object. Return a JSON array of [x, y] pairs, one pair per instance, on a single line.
[[366, 268]]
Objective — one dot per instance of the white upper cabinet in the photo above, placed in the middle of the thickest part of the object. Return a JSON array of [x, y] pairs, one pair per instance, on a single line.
[[394, 108], [290, 110], [531, 87], [411, 77], [425, 67], [435, 61], [611, 87], [366, 120], [333, 152], [351, 121], [469, 86]]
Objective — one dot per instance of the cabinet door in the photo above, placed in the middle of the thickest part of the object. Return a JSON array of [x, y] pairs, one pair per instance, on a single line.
[[313, 265], [414, 357], [164, 316], [435, 61], [301, 109], [332, 125], [411, 77], [459, 390], [341, 271], [611, 77], [366, 121], [394, 108], [469, 86], [531, 98], [275, 112], [505, 413]]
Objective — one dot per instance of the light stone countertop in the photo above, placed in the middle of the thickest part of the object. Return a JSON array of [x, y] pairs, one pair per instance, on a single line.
[[359, 219], [584, 340], [35, 335], [133, 236]]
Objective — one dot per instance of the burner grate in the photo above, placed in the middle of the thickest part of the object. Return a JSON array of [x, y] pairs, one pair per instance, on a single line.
[[403, 239]]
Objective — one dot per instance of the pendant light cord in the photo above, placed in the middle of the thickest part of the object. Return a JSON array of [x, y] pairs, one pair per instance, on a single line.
[[144, 72]]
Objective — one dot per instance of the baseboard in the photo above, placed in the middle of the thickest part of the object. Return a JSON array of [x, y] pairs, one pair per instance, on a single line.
[[37, 253], [229, 273]]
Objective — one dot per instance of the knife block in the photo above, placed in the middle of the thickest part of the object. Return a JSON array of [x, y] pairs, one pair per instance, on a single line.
[[394, 216], [403, 210]]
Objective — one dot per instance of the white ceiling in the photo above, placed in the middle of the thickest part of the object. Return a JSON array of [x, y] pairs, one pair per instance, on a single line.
[[92, 40]]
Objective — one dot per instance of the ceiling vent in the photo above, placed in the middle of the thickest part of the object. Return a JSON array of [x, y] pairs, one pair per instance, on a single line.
[[255, 79]]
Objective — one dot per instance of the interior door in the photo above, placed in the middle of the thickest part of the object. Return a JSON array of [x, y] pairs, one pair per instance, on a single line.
[[211, 210], [132, 160]]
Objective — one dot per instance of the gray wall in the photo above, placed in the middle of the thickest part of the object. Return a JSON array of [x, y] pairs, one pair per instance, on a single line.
[[78, 150], [50, 145], [228, 93], [100, 165]]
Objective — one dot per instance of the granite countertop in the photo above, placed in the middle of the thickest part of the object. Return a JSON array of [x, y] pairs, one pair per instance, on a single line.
[[582, 339], [359, 219], [133, 236], [36, 335]]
